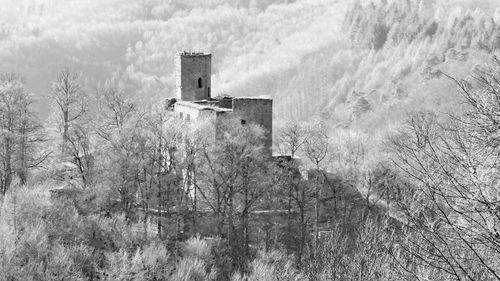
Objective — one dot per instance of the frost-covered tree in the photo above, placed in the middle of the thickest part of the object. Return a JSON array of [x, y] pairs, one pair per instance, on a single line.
[[20, 132]]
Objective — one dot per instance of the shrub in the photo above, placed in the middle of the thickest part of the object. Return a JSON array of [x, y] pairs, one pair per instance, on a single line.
[[192, 269], [274, 265]]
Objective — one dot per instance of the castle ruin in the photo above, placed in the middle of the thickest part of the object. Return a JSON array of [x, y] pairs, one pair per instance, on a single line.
[[194, 99]]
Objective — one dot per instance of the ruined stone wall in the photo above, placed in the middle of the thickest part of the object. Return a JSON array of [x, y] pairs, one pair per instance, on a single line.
[[258, 111], [189, 111], [247, 110], [186, 112], [209, 119], [226, 103], [189, 69]]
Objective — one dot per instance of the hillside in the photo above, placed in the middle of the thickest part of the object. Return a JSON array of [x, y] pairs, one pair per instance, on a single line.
[[311, 56], [137, 41], [385, 169]]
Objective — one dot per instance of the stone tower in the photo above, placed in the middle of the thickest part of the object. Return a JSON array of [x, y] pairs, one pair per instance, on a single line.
[[193, 73]]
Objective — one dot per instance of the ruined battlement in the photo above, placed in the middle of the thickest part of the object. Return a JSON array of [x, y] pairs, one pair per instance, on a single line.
[[192, 54]]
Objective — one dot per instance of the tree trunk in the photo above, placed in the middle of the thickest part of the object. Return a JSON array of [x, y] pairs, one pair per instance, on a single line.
[[316, 212], [65, 132], [7, 173], [23, 150], [303, 231]]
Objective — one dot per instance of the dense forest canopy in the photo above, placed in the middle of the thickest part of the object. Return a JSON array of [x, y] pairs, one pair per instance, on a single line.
[[307, 54]]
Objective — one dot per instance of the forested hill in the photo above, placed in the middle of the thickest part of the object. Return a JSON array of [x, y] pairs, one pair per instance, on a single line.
[[251, 41], [364, 62], [397, 180], [398, 54]]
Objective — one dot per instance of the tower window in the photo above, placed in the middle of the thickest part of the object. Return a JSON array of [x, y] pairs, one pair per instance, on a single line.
[[200, 83]]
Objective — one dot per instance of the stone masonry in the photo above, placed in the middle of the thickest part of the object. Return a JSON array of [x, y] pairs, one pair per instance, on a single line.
[[194, 100], [193, 73]]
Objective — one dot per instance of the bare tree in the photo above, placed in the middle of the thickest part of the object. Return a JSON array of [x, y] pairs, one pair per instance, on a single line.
[[235, 179], [20, 133], [123, 138], [69, 98], [302, 194], [291, 138], [316, 149], [453, 164], [363, 257], [196, 138], [30, 153], [162, 168], [80, 147]]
